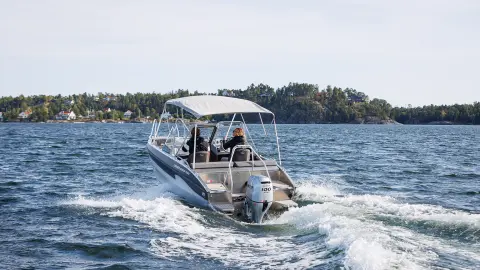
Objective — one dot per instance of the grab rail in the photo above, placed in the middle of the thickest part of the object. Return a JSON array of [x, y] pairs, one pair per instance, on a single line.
[[178, 132], [153, 129], [254, 153]]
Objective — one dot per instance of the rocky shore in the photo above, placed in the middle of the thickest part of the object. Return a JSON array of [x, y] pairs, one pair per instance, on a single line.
[[374, 120]]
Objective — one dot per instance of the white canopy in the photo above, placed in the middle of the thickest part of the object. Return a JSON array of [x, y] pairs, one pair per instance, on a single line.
[[209, 105]]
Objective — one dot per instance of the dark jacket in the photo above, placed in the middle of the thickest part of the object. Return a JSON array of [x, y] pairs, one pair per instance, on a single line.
[[237, 140], [202, 145]]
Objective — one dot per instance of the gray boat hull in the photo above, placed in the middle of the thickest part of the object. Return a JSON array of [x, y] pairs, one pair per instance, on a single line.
[[178, 179]]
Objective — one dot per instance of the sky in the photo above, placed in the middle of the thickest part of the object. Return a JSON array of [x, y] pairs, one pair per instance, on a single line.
[[407, 52]]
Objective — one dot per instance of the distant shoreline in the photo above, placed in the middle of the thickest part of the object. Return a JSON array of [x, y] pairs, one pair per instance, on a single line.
[[295, 103], [434, 123], [79, 122]]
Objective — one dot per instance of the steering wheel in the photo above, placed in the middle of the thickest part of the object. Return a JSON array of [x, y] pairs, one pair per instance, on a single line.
[[221, 145]]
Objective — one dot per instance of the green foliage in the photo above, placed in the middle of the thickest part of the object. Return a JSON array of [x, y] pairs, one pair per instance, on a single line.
[[293, 103], [461, 114]]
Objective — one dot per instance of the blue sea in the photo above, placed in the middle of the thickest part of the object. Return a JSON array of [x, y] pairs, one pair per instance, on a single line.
[[84, 196]]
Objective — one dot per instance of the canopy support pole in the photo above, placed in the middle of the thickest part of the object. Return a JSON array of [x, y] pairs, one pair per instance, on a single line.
[[161, 117], [194, 145], [248, 132], [229, 127], [278, 145], [261, 120]]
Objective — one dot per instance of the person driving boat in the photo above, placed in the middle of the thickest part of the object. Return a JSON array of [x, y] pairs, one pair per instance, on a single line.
[[237, 139], [202, 145]]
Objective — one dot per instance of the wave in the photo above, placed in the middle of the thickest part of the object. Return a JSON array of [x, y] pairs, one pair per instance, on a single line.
[[470, 193], [190, 234], [462, 175], [380, 232], [103, 251], [115, 266], [388, 206], [334, 230], [366, 244]]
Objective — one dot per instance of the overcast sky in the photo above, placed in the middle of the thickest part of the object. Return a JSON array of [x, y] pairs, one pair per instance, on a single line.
[[407, 52]]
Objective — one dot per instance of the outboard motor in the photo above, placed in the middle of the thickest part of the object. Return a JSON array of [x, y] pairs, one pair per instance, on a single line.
[[258, 199]]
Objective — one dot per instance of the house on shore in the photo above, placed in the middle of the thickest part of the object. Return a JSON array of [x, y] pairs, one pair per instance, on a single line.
[[106, 110], [24, 115], [127, 114], [355, 99], [65, 115]]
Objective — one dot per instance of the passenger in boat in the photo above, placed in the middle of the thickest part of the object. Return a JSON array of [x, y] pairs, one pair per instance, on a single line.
[[201, 144], [238, 139]]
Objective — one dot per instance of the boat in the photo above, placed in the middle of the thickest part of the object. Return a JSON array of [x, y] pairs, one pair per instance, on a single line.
[[245, 184]]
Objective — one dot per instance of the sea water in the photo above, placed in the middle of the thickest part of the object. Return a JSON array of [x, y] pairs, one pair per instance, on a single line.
[[370, 197]]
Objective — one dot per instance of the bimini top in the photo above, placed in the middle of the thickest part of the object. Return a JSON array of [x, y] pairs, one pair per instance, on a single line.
[[209, 105]]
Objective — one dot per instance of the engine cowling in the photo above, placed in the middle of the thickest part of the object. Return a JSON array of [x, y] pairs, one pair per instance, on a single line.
[[259, 198]]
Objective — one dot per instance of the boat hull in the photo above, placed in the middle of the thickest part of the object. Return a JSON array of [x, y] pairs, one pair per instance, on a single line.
[[179, 179]]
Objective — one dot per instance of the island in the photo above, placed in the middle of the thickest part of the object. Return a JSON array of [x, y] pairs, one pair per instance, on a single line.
[[295, 103]]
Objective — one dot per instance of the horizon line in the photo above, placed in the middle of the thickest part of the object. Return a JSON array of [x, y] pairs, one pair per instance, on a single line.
[[206, 93]]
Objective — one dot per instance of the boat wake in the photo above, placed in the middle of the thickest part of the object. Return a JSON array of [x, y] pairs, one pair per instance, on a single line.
[[378, 232], [332, 229]]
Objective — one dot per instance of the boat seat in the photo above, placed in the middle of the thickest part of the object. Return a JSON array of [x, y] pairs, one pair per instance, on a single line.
[[200, 157], [160, 141], [256, 163], [241, 154]]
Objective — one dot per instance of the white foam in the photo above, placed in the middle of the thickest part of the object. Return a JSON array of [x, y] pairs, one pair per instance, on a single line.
[[367, 244], [341, 222], [388, 206], [190, 235], [100, 203], [309, 191], [351, 221]]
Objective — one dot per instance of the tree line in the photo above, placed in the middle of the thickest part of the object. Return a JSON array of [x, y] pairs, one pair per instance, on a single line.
[[292, 103]]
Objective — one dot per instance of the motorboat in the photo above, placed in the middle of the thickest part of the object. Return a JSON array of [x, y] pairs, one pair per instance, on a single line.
[[242, 182]]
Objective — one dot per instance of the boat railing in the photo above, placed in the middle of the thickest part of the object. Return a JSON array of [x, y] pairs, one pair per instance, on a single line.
[[173, 132], [153, 131], [253, 154], [185, 129]]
